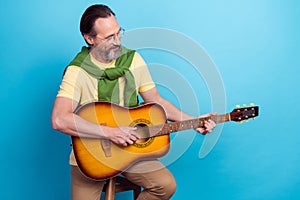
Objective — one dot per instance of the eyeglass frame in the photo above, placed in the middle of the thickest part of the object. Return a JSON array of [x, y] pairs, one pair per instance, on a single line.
[[112, 37]]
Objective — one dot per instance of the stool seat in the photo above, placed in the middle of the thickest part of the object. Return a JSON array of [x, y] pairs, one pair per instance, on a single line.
[[120, 184]]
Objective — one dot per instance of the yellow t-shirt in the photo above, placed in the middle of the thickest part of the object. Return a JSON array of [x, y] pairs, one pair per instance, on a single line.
[[79, 86]]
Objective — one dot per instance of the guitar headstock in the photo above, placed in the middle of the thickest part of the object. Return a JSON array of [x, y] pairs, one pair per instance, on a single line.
[[239, 114]]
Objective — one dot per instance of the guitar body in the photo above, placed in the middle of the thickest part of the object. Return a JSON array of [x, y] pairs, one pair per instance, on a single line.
[[101, 159]]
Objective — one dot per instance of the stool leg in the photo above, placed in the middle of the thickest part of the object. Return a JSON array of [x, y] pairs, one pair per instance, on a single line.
[[110, 190], [136, 193]]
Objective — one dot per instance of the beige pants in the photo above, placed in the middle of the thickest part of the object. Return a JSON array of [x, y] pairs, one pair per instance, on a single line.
[[157, 181]]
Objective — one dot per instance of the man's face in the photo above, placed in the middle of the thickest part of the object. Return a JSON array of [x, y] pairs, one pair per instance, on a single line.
[[106, 44]]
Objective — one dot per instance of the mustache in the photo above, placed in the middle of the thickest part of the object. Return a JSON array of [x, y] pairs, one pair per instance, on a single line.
[[115, 47]]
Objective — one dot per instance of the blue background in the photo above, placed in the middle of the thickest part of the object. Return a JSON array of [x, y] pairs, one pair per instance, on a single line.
[[255, 45]]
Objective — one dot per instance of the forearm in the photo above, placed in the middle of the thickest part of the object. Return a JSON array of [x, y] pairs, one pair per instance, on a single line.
[[74, 125], [64, 120], [172, 112]]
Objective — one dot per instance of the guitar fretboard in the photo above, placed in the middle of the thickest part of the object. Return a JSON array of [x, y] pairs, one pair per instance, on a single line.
[[191, 124]]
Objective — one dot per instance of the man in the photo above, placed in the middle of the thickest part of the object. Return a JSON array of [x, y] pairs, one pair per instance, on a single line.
[[88, 78]]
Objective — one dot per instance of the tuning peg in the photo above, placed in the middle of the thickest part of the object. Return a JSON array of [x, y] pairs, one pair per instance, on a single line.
[[245, 105], [240, 122], [247, 120], [237, 106], [251, 104], [254, 118]]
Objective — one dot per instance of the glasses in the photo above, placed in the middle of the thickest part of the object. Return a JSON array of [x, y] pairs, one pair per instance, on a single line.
[[112, 38]]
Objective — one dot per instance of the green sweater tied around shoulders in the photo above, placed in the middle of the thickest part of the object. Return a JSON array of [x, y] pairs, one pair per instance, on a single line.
[[108, 83]]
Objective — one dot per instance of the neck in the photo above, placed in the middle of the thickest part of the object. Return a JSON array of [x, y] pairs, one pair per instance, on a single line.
[[173, 127]]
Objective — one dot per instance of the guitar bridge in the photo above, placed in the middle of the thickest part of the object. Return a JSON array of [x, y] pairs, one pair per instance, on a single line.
[[106, 144]]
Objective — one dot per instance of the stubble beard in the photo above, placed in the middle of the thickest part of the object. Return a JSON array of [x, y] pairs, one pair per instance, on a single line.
[[109, 54]]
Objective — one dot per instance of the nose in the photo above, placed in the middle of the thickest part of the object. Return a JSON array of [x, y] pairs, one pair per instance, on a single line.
[[116, 40]]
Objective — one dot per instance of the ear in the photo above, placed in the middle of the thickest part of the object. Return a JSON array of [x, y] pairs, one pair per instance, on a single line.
[[89, 39]]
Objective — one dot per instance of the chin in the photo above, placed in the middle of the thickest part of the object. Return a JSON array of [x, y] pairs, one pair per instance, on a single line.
[[115, 54]]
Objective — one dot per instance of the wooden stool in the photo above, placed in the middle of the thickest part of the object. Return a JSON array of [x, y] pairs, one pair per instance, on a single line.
[[120, 184]]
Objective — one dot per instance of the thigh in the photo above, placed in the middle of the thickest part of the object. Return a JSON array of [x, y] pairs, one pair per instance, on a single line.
[[83, 187], [159, 177]]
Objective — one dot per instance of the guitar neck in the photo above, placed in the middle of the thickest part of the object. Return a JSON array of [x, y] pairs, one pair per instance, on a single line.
[[191, 124]]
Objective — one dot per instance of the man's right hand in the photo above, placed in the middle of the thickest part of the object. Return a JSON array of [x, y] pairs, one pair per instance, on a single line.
[[122, 135]]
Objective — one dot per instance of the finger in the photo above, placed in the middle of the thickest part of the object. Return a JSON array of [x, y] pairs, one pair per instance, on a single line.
[[133, 137], [128, 138], [208, 127], [124, 144], [121, 140], [128, 141], [211, 124], [124, 140], [201, 130], [132, 133]]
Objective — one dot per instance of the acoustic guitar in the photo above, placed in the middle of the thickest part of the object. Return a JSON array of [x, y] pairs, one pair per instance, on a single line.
[[101, 159]]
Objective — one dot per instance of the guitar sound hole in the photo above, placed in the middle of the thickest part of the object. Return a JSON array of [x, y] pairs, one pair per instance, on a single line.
[[143, 132]]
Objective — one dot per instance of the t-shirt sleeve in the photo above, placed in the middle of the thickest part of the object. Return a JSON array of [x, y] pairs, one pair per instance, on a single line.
[[69, 87], [142, 75]]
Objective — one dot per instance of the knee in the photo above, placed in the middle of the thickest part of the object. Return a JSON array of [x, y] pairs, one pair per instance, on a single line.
[[166, 188], [169, 187]]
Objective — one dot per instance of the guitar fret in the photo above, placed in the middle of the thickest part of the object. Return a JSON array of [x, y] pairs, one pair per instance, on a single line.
[[221, 118]]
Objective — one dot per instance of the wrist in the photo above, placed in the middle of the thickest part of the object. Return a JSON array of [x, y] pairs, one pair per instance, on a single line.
[[104, 131]]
